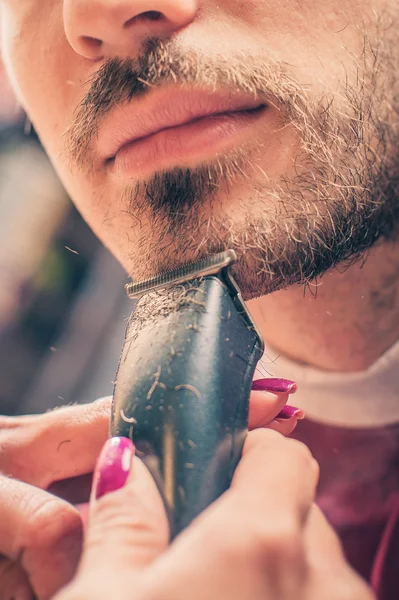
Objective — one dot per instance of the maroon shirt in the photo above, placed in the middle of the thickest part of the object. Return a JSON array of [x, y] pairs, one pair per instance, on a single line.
[[359, 494]]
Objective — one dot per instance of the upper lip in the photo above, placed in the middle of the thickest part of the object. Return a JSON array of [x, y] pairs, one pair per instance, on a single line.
[[164, 110]]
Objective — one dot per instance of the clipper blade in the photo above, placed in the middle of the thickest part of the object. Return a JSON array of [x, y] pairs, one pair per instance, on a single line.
[[207, 266]]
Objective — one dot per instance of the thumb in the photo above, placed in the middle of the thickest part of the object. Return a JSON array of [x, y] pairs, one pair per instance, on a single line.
[[128, 527]]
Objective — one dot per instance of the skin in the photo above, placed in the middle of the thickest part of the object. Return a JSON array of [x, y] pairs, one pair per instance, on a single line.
[[128, 535], [324, 50], [52, 50], [322, 330], [43, 500]]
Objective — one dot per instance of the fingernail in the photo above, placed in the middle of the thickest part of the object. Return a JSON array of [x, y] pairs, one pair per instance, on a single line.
[[113, 466], [291, 411], [274, 385]]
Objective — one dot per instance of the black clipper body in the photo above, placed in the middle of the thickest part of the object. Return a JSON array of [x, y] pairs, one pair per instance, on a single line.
[[183, 387]]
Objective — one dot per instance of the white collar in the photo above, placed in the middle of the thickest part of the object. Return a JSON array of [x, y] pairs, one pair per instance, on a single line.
[[361, 399]]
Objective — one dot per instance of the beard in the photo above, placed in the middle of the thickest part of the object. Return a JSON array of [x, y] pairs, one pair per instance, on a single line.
[[342, 195]]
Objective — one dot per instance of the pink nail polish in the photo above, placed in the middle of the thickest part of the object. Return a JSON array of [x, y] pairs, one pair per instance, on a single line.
[[113, 466], [291, 411], [274, 385]]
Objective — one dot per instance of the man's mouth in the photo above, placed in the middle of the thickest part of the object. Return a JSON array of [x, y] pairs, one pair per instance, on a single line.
[[175, 127]]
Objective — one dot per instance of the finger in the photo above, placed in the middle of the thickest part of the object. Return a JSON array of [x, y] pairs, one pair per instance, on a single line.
[[268, 398], [326, 561], [60, 444], [284, 426], [40, 532], [128, 527], [323, 546], [13, 581], [250, 541], [264, 407], [287, 420], [270, 498], [283, 472]]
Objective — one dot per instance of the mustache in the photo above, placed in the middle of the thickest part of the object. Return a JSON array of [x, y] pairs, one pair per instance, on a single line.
[[161, 63]]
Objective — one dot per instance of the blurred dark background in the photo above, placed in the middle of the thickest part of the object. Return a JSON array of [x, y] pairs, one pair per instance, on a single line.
[[63, 306]]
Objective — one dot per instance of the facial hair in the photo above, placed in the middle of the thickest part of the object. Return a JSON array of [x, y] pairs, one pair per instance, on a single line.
[[341, 200]]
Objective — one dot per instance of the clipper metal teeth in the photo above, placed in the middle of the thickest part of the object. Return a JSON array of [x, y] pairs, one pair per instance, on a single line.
[[207, 266]]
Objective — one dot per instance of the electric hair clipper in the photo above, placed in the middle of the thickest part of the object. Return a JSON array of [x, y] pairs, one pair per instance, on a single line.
[[184, 380]]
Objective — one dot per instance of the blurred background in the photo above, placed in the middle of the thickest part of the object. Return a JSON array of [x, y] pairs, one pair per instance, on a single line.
[[63, 306]]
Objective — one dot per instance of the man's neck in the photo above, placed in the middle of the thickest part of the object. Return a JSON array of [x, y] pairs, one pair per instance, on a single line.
[[345, 322]]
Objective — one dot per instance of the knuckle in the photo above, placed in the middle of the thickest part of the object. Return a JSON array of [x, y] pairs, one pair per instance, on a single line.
[[279, 545], [111, 513], [20, 438], [51, 521], [76, 591], [301, 454], [302, 451], [268, 546], [230, 549], [103, 406], [349, 585], [109, 517], [351, 588], [15, 437], [263, 438], [294, 452], [92, 413], [39, 435], [117, 520], [13, 582], [87, 585]]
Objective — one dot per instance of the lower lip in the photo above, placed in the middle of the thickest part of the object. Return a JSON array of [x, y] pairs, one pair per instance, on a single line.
[[185, 145]]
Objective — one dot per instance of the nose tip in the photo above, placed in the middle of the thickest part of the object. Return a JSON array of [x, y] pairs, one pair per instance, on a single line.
[[108, 28]]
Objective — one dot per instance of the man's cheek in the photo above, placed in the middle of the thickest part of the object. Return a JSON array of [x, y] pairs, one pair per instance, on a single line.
[[45, 85]]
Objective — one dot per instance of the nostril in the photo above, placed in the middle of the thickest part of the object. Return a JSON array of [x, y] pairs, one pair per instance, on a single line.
[[91, 42], [149, 15], [152, 15]]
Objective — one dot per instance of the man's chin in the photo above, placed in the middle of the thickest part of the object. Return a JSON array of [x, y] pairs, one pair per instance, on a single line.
[[279, 243]]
